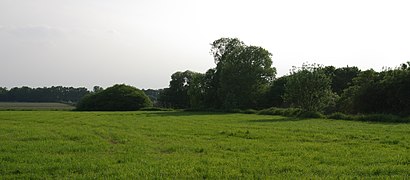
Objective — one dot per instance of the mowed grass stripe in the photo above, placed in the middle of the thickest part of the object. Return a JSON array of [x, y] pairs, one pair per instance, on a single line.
[[63, 144]]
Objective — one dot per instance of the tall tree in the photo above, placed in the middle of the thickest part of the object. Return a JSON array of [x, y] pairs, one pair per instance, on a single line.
[[196, 91], [177, 93], [97, 89], [3, 94], [309, 88], [244, 72], [274, 97], [210, 87], [341, 77]]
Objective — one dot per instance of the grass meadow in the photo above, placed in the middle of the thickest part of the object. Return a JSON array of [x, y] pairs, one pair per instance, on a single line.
[[190, 145]]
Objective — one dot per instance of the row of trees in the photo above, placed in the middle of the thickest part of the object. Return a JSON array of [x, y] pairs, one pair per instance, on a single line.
[[243, 78], [240, 79], [56, 94], [347, 90], [379, 92], [44, 94]]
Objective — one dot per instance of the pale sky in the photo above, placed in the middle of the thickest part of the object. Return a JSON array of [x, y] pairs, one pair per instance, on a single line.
[[142, 42]]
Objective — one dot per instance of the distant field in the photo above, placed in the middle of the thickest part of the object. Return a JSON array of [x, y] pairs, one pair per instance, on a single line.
[[188, 145], [34, 106]]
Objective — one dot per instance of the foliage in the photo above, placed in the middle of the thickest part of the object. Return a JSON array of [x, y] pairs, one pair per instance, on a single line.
[[44, 94], [245, 72], [289, 112], [382, 118], [153, 95], [343, 77], [339, 115], [379, 92], [210, 89], [388, 118], [310, 114], [192, 145], [3, 93], [309, 88], [196, 91], [97, 89], [155, 109], [240, 80], [249, 111], [177, 93], [119, 97], [274, 97]]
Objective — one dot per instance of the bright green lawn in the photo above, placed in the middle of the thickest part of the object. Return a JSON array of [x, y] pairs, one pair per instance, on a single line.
[[125, 145]]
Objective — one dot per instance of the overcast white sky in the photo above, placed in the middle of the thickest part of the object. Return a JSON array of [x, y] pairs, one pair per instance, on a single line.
[[142, 42]]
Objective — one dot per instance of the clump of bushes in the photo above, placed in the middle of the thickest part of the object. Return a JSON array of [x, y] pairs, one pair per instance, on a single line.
[[119, 97], [294, 112], [291, 112], [244, 111], [310, 114], [155, 109], [339, 115], [249, 111], [381, 118], [369, 117]]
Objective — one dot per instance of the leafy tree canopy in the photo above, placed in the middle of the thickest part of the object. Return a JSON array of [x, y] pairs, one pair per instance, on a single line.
[[244, 72], [309, 88], [119, 97]]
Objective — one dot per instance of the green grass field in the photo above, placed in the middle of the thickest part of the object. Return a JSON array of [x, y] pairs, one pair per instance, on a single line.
[[149, 145], [34, 106]]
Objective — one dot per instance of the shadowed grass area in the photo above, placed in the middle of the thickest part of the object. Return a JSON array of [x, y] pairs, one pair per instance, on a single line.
[[124, 145]]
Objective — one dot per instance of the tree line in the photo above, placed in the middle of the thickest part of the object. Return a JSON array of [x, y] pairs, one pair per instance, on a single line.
[[242, 74], [69, 95], [245, 79], [43, 94], [56, 94]]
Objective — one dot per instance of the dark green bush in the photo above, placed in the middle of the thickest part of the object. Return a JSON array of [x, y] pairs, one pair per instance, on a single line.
[[234, 111], [119, 97], [370, 117], [339, 115], [269, 111], [381, 118], [310, 114], [292, 112], [296, 112], [155, 109], [249, 111]]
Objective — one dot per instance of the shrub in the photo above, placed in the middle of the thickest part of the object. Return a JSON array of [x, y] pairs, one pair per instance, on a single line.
[[310, 114], [339, 115], [234, 111], [381, 118], [155, 109], [293, 112], [119, 97], [249, 111], [370, 117], [309, 88], [269, 111]]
